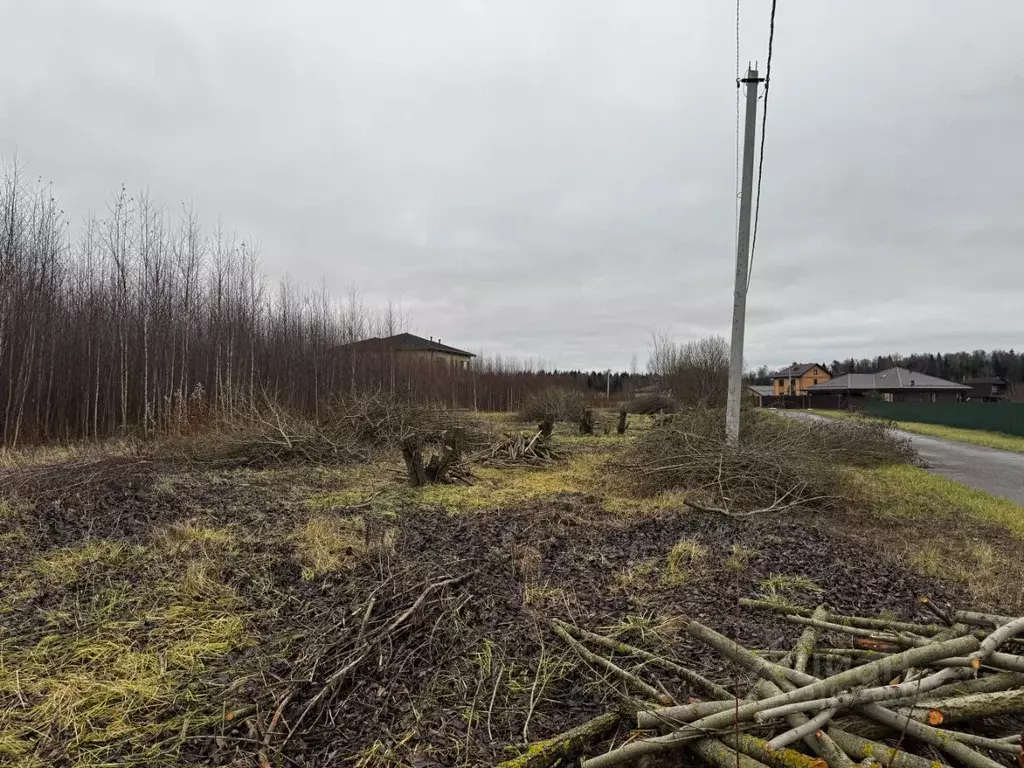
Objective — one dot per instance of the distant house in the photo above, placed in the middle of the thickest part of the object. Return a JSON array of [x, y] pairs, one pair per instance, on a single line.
[[798, 377], [410, 347], [895, 385], [987, 389], [759, 393]]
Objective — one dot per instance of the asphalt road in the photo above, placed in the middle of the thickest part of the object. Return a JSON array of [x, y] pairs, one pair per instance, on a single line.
[[998, 472]]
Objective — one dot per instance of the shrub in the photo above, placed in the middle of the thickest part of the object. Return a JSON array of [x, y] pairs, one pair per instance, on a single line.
[[554, 405], [696, 371], [656, 402]]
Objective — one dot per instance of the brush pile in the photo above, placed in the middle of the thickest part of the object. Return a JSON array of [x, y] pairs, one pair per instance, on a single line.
[[376, 649], [519, 450], [263, 434], [898, 694], [779, 464]]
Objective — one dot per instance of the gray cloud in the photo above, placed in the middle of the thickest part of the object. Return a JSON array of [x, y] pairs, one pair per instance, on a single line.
[[556, 180]]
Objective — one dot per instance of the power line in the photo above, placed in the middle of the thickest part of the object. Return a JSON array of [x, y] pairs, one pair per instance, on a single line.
[[764, 121]]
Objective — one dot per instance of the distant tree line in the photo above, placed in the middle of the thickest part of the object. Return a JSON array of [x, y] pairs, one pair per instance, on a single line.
[[143, 322], [953, 366]]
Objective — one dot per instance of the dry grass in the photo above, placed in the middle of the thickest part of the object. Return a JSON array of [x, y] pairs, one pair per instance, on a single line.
[[945, 529], [998, 440], [911, 491], [685, 555], [330, 542], [128, 666]]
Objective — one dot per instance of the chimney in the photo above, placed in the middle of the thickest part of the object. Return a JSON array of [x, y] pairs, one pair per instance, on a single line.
[[438, 339], [431, 338]]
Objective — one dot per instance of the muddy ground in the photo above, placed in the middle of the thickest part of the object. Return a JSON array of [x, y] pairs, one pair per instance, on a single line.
[[459, 674]]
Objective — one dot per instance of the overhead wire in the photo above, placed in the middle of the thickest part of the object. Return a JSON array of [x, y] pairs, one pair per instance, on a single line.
[[760, 160]]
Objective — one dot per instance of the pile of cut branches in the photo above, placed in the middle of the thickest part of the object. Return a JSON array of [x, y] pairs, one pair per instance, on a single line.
[[265, 434], [778, 464], [262, 433], [402, 626], [904, 696], [518, 450]]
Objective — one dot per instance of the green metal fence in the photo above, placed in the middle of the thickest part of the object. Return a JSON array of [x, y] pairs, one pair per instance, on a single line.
[[995, 417]]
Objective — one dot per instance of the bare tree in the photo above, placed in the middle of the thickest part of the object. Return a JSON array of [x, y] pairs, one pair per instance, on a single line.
[[695, 371]]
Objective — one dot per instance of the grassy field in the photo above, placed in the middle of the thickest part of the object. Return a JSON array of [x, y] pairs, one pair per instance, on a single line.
[[974, 436], [159, 612]]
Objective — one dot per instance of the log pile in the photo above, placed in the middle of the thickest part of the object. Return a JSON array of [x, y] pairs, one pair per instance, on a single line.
[[896, 694], [517, 450]]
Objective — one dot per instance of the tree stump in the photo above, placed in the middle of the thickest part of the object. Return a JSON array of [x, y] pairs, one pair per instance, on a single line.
[[451, 453], [623, 422], [587, 421], [546, 427], [413, 455]]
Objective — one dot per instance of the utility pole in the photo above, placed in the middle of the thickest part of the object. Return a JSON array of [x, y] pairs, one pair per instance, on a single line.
[[739, 302]]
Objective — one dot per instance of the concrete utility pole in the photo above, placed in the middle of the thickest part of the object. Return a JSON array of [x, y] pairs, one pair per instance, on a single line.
[[739, 302]]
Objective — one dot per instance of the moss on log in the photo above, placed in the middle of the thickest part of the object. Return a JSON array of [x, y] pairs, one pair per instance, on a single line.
[[566, 745]]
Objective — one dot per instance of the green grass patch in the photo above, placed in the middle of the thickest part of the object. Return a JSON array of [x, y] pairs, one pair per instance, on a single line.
[[912, 491], [981, 437]]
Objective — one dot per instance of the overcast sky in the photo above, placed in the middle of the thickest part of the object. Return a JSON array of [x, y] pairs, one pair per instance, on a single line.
[[555, 178]]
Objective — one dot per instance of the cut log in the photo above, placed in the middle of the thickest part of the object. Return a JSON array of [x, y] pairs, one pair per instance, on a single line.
[[883, 669], [674, 717], [862, 696], [565, 746], [718, 755], [964, 708], [776, 758], [849, 621], [958, 750], [804, 729], [860, 749], [809, 638], [696, 680], [819, 742], [1001, 681], [628, 677], [989, 620]]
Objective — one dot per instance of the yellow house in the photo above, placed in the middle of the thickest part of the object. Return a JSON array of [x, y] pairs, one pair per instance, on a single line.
[[795, 379]]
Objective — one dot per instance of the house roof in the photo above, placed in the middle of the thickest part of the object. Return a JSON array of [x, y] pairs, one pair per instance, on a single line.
[[797, 369], [407, 342], [986, 380], [891, 380], [765, 390]]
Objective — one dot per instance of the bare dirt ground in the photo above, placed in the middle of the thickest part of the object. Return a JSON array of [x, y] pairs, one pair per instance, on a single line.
[[161, 613]]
